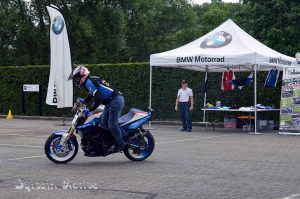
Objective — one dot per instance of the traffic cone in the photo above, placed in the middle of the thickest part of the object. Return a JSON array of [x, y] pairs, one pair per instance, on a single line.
[[9, 116]]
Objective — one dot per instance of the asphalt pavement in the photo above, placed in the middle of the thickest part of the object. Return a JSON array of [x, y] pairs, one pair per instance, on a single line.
[[222, 164]]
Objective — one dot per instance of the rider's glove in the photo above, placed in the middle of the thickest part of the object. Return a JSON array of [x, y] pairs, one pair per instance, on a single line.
[[87, 113], [81, 100]]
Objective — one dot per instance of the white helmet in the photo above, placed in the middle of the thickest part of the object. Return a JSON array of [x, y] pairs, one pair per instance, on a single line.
[[79, 75]]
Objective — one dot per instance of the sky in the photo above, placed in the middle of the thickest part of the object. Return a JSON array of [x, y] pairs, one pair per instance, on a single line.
[[208, 1]]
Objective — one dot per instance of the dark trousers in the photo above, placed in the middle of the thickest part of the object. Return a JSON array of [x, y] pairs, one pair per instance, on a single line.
[[184, 108]]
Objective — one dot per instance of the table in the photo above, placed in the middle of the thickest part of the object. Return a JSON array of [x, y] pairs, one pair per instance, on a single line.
[[239, 110]]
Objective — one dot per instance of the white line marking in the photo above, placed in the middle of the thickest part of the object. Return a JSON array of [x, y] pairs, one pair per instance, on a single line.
[[292, 196], [40, 136], [28, 157], [16, 145], [174, 141], [14, 134], [25, 135]]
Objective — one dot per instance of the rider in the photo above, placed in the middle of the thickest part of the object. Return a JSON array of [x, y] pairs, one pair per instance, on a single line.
[[102, 93]]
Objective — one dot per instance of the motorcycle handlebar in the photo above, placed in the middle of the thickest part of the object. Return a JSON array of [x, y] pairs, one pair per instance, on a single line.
[[78, 104]]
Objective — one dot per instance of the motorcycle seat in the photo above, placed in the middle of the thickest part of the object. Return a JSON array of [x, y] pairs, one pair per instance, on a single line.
[[99, 109], [133, 115]]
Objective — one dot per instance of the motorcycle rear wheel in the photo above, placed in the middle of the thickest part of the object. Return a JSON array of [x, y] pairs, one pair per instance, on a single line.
[[60, 155], [133, 155]]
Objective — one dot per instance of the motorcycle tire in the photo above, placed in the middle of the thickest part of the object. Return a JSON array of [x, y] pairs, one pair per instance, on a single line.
[[129, 153], [56, 159]]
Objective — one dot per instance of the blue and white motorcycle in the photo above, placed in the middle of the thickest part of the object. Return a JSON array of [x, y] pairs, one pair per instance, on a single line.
[[62, 146]]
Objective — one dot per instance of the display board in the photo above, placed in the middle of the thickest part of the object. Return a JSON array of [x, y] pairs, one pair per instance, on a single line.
[[290, 102]]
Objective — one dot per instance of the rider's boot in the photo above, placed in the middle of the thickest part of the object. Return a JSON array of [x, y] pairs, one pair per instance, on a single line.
[[116, 148]]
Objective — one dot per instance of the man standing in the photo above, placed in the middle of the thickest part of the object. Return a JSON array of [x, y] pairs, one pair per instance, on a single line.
[[185, 101]]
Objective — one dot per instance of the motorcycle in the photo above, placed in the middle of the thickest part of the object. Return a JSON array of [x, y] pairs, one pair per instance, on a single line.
[[62, 145]]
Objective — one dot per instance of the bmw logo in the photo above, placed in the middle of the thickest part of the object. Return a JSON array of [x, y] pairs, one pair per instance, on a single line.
[[217, 40], [58, 25]]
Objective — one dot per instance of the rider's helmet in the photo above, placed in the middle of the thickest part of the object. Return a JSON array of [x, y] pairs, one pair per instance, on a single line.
[[79, 75]]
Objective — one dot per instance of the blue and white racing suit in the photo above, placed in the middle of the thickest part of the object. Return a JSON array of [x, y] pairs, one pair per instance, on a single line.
[[114, 103]]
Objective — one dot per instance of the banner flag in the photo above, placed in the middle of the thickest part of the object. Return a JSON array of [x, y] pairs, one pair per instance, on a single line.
[[60, 88], [290, 102]]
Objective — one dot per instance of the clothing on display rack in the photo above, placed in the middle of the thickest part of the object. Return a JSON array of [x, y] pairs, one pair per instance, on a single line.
[[260, 106], [227, 77], [224, 107], [247, 108], [272, 78], [240, 83], [235, 107]]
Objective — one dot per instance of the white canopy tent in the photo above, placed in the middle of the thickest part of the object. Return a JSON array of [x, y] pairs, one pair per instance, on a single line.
[[227, 46]]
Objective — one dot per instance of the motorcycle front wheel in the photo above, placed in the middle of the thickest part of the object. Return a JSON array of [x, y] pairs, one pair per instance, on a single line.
[[138, 154], [60, 154]]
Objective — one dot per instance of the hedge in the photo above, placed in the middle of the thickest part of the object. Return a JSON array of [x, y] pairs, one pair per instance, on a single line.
[[132, 80]]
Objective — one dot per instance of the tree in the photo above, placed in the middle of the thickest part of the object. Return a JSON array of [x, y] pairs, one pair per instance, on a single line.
[[212, 15], [110, 31], [152, 24], [276, 23]]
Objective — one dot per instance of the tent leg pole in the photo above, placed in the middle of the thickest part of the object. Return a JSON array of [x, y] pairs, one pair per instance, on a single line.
[[204, 101], [255, 100], [204, 107], [150, 93]]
